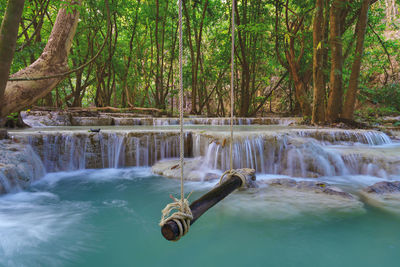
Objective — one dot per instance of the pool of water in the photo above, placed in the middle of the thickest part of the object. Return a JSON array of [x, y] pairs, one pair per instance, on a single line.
[[110, 217]]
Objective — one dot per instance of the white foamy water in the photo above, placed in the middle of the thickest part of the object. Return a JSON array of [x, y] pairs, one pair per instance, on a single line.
[[96, 176], [32, 221]]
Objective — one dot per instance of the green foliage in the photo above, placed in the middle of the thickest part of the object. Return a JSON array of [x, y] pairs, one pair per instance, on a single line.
[[13, 117], [154, 54], [387, 97]]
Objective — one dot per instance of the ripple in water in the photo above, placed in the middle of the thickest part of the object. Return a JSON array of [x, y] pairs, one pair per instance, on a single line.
[[33, 222]]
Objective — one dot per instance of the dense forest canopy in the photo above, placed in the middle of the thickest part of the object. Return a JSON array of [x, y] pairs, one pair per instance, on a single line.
[[320, 59]]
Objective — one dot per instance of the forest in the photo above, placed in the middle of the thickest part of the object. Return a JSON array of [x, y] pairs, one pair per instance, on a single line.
[[322, 60], [126, 124]]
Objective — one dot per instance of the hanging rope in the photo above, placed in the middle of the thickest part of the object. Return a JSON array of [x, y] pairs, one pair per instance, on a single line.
[[231, 172], [183, 215], [232, 84]]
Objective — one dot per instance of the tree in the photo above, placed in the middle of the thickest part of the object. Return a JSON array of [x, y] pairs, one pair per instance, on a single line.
[[38, 79], [351, 93], [8, 39], [318, 112], [334, 108]]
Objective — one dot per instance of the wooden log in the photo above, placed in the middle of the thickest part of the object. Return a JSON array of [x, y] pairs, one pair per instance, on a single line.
[[171, 231]]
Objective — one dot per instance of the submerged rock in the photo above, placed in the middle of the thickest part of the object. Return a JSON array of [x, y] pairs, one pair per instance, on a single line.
[[384, 195], [19, 166], [287, 198], [384, 188], [309, 186]]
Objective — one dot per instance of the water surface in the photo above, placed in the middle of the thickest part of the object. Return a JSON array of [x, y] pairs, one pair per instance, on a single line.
[[109, 218]]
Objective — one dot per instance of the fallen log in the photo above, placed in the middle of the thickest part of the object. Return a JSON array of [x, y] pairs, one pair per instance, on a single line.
[[113, 109], [170, 230]]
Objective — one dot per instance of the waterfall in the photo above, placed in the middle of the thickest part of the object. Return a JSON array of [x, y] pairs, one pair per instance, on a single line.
[[292, 152], [298, 154], [79, 150], [20, 166]]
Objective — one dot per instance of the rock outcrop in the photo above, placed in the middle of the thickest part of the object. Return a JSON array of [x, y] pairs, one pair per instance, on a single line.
[[287, 198], [384, 195], [192, 170], [19, 166]]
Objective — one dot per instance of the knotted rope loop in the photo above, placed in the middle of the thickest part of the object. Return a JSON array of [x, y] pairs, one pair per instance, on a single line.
[[182, 216], [229, 173]]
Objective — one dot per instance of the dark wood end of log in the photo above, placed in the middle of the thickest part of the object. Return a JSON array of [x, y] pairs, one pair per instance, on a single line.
[[171, 230]]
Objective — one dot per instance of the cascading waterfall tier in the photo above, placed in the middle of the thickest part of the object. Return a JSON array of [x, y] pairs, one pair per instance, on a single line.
[[71, 150], [289, 151]]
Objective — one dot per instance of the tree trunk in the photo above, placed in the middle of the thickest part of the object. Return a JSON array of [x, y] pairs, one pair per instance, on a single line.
[[53, 61], [355, 69], [336, 88], [318, 111], [8, 40]]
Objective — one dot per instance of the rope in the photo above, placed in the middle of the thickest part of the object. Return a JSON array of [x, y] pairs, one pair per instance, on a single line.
[[232, 83], [183, 215], [229, 173]]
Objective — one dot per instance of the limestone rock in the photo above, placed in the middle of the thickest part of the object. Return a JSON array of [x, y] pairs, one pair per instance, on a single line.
[[309, 186], [46, 118], [384, 188], [192, 170], [92, 121], [19, 166], [287, 198], [384, 195]]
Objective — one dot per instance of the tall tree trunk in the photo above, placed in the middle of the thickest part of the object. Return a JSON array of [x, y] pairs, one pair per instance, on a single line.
[[318, 111], [361, 26], [8, 40], [336, 88], [53, 61], [241, 19]]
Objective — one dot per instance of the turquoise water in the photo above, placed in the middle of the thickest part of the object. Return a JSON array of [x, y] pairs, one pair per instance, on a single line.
[[110, 218]]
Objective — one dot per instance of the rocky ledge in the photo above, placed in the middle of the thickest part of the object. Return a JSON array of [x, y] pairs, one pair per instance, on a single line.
[[192, 170], [286, 198], [97, 118], [383, 195], [316, 187], [19, 166]]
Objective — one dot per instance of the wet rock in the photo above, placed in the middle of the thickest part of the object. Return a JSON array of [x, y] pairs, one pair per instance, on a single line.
[[19, 166], [383, 195], [92, 121], [46, 118], [391, 119], [384, 188], [309, 186], [192, 170], [287, 198]]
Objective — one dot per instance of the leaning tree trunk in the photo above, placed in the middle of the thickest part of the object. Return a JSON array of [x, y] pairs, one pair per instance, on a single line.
[[348, 109], [51, 63], [8, 40]]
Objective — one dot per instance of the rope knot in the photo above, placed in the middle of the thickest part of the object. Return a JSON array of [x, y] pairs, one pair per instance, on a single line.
[[246, 182], [182, 215]]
